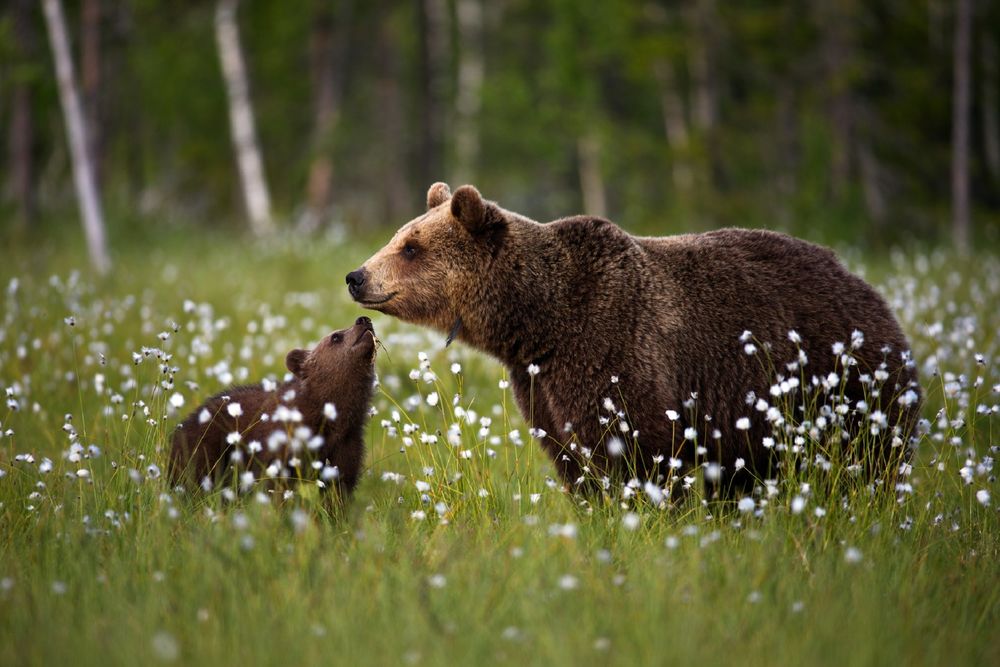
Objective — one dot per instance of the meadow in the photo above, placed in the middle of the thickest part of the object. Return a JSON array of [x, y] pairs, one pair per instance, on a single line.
[[459, 546]]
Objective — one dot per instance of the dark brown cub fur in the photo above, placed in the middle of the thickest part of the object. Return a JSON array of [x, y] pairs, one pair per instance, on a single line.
[[288, 427]]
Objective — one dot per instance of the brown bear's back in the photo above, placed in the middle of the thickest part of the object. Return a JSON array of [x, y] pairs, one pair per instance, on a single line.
[[726, 282]]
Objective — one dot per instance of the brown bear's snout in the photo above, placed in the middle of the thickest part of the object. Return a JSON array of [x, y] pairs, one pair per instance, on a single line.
[[355, 283]]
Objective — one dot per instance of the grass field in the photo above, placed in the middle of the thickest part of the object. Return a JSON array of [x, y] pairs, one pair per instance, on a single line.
[[488, 560]]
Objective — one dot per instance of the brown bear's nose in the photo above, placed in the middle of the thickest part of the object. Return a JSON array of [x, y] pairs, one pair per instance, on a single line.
[[355, 279], [364, 321]]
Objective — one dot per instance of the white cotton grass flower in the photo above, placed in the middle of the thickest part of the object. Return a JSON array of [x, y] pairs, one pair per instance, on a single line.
[[234, 409], [432, 399], [568, 582], [631, 521], [857, 339], [566, 530], [533, 370], [983, 496], [853, 555], [746, 504], [743, 423], [165, 646], [672, 415], [204, 416], [330, 411], [177, 400], [615, 447], [653, 492]]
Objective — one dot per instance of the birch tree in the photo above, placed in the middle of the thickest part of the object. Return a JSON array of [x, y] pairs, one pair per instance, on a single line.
[[83, 174], [241, 120]]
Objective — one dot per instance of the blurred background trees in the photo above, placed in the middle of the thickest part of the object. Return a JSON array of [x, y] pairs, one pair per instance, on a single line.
[[833, 119]]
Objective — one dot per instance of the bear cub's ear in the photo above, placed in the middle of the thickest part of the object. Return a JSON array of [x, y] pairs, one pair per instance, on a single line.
[[438, 194], [468, 207], [295, 362]]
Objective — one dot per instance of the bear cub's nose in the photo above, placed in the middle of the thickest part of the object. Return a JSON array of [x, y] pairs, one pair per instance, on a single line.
[[364, 321]]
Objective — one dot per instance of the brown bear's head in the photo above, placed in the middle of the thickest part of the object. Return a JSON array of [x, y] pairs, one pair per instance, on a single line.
[[432, 263], [340, 363]]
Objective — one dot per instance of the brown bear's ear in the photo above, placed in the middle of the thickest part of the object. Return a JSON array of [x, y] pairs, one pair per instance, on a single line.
[[468, 208], [438, 194], [295, 362]]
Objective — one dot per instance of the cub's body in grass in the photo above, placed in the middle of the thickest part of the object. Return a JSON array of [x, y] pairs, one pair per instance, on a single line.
[[312, 425], [630, 353]]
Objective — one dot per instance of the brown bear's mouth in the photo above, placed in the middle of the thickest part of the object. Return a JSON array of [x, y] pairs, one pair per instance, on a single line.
[[361, 336], [376, 301]]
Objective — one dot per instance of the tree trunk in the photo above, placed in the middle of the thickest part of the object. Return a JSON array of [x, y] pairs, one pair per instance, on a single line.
[[391, 125], [833, 20], [703, 68], [591, 180], [241, 120], [90, 203], [433, 56], [788, 149], [961, 102], [471, 69], [328, 49], [675, 126], [90, 81], [871, 185], [705, 106], [22, 129], [991, 107]]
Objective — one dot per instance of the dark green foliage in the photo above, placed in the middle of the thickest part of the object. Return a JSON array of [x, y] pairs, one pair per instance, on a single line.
[[830, 120]]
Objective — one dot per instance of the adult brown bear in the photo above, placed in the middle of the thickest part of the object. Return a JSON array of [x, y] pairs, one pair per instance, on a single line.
[[638, 357]]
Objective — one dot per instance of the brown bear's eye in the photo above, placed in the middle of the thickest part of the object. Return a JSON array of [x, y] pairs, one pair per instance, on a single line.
[[409, 251], [336, 338]]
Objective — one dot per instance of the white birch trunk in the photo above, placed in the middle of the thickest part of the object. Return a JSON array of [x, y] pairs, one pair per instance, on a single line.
[[241, 121], [83, 175]]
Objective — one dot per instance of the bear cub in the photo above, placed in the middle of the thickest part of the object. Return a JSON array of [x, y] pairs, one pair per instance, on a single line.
[[310, 426]]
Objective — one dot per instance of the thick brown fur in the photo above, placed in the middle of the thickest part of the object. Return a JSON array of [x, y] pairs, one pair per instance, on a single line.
[[339, 370], [585, 301]]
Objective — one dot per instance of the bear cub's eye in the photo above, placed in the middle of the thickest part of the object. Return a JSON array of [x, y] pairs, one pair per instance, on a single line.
[[409, 251], [336, 338]]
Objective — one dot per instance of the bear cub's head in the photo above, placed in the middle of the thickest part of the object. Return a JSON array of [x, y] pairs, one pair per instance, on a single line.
[[435, 260], [344, 360]]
